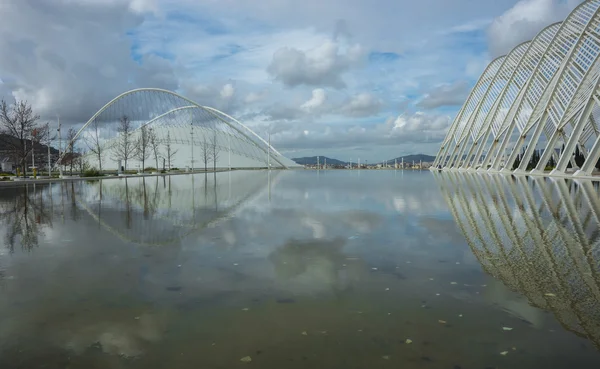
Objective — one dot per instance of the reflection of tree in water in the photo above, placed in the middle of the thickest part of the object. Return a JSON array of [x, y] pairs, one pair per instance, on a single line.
[[24, 215]]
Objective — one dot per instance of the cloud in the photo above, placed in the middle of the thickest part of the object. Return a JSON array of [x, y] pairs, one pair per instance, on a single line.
[[227, 91], [362, 105], [320, 66], [254, 97], [445, 95], [316, 101], [524, 21], [71, 57], [418, 128]]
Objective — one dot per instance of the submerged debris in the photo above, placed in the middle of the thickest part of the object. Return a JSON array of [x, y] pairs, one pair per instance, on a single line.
[[507, 328], [246, 359], [453, 283], [245, 309], [385, 357], [550, 295], [442, 321], [304, 333], [504, 353], [408, 341]]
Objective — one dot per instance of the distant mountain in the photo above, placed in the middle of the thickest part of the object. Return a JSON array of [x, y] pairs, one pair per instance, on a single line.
[[7, 142], [417, 158], [313, 161]]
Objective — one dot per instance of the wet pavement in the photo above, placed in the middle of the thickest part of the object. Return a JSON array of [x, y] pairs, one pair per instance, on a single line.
[[298, 269]]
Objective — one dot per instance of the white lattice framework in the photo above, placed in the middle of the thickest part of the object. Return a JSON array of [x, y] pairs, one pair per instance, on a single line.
[[544, 96], [181, 122]]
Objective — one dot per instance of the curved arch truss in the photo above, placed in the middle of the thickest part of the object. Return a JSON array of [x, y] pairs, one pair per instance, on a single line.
[[187, 133], [537, 109]]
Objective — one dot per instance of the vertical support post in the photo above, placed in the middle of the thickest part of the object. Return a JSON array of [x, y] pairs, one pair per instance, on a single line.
[[567, 153], [33, 156], [590, 162], [192, 134], [503, 145], [49, 157], [481, 146], [229, 149], [547, 152], [269, 152], [532, 145], [60, 171]]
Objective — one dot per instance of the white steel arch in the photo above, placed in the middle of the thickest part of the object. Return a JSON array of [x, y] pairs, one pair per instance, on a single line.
[[549, 86], [476, 130], [451, 142], [183, 122]]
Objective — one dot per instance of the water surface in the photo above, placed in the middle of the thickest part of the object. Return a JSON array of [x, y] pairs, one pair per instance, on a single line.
[[298, 269]]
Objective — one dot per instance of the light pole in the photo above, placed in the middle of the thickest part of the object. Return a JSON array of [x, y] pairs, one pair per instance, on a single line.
[[192, 128], [269, 151], [60, 172], [49, 156]]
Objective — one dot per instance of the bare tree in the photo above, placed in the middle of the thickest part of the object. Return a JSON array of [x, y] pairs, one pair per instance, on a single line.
[[93, 143], [38, 135], [81, 162], [215, 150], [143, 145], [71, 140], [17, 121], [205, 151], [154, 146], [170, 152], [125, 147]]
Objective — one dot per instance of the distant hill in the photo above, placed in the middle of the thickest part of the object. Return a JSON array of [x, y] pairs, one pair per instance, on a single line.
[[6, 142], [417, 158], [313, 161], [330, 161]]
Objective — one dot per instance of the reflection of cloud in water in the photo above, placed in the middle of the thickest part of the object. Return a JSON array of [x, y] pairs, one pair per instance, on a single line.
[[312, 266]]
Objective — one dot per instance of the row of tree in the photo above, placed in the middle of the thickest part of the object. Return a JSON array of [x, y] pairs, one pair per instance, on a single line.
[[147, 145], [21, 132]]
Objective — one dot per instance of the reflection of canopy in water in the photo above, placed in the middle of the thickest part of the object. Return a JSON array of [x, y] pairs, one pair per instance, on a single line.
[[541, 239], [162, 210], [184, 124]]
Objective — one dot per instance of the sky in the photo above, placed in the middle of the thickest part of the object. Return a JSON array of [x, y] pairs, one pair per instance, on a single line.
[[346, 79]]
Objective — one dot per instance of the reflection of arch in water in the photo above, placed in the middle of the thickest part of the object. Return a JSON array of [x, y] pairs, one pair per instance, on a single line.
[[539, 238], [188, 204]]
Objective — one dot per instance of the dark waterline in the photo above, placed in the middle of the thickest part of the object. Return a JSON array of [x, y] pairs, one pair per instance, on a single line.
[[299, 269]]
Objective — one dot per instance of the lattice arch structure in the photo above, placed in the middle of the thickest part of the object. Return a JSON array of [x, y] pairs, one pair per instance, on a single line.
[[537, 109], [192, 130]]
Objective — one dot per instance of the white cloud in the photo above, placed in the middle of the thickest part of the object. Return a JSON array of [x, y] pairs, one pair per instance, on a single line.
[[61, 58], [320, 66], [524, 21], [253, 97], [445, 95], [227, 91], [362, 105], [316, 101]]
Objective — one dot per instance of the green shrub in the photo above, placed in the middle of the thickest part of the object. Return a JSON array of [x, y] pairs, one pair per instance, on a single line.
[[174, 168], [150, 169], [92, 172]]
